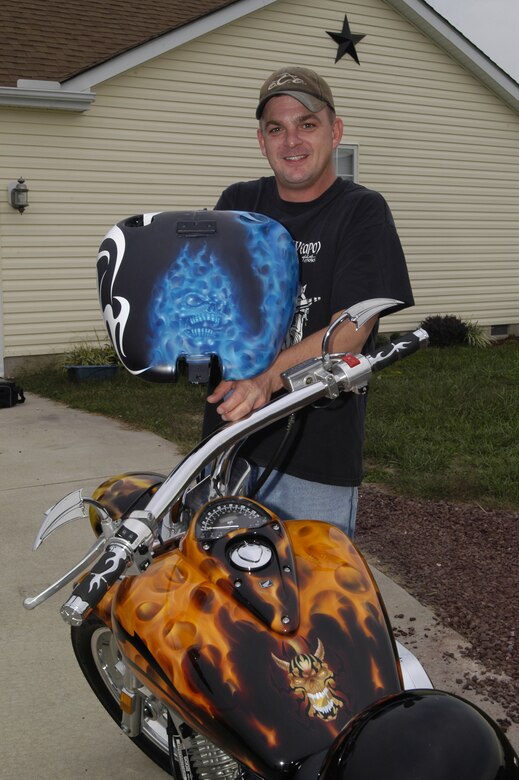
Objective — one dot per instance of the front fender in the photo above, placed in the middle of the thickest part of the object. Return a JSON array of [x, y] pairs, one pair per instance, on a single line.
[[124, 493]]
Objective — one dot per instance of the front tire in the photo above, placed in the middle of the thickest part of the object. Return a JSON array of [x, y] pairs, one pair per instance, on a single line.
[[103, 667]]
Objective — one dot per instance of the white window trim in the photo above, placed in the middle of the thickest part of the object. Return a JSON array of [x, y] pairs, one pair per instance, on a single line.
[[355, 150]]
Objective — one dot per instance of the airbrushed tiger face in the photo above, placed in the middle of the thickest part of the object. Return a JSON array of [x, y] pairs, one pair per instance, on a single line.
[[311, 678]]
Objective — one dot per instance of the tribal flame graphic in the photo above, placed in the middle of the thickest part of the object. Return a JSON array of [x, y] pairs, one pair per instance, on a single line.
[[117, 556]]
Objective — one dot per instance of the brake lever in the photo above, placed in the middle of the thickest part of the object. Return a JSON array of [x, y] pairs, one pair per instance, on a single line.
[[358, 314], [71, 507], [97, 548]]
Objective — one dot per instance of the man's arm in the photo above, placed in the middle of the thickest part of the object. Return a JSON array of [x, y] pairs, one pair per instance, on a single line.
[[244, 395]]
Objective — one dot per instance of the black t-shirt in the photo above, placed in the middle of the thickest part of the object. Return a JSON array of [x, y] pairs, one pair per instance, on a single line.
[[349, 251]]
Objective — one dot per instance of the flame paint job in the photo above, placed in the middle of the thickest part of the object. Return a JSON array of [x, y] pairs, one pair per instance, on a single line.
[[207, 647], [123, 493]]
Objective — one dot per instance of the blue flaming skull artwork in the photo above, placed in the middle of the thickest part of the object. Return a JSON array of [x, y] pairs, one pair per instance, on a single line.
[[182, 286]]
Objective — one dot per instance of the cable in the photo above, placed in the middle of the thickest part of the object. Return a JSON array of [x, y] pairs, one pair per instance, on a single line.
[[274, 459]]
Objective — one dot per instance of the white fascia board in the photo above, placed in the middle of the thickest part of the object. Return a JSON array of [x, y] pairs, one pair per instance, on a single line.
[[45, 94], [147, 51], [446, 36]]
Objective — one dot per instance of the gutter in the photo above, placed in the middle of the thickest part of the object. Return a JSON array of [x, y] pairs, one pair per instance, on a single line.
[[75, 94], [45, 94]]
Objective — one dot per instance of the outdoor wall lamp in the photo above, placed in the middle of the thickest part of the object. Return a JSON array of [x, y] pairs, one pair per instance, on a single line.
[[18, 195]]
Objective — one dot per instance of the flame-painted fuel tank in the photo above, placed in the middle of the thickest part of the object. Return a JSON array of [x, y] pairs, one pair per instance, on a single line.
[[267, 639], [193, 286]]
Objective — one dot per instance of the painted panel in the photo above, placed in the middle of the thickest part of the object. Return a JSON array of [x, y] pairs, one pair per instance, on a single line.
[[172, 133]]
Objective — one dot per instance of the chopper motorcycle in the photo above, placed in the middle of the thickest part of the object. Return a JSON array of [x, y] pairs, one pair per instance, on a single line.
[[227, 642]]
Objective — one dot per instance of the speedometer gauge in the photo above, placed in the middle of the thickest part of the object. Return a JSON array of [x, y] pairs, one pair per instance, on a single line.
[[223, 515]]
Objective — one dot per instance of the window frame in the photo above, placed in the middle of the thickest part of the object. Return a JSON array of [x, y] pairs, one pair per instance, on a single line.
[[354, 148]]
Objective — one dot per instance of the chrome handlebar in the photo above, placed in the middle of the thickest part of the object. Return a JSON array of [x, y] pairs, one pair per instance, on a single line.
[[131, 542]]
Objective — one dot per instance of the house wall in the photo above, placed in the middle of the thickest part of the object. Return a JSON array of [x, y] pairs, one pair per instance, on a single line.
[[170, 134]]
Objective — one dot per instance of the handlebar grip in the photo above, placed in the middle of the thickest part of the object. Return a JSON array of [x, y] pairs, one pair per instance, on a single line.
[[401, 347], [89, 592]]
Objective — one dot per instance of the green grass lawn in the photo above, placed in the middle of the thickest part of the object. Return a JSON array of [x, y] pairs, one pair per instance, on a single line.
[[443, 424]]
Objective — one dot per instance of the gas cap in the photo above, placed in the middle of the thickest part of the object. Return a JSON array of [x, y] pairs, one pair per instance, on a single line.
[[250, 555]]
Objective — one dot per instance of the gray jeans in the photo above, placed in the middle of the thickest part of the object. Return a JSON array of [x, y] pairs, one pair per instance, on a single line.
[[292, 498]]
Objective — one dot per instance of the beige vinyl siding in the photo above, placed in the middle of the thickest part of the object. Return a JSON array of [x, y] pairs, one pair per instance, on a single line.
[[172, 133]]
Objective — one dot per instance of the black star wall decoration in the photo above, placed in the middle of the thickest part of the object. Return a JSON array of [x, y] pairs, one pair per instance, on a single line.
[[346, 41]]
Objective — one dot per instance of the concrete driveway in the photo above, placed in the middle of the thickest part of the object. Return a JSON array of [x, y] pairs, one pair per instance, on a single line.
[[53, 727]]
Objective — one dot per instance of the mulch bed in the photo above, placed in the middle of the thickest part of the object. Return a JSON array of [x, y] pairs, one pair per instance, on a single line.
[[459, 560]]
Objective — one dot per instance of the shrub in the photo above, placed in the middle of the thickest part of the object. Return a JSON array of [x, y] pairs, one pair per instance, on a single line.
[[445, 331], [476, 336], [86, 354]]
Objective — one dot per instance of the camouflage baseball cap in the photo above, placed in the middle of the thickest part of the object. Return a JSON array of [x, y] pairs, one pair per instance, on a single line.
[[300, 83]]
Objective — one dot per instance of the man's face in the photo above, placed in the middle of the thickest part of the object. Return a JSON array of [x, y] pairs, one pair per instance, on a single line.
[[299, 147]]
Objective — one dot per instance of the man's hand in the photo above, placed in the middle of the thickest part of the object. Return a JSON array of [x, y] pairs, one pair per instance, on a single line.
[[241, 397]]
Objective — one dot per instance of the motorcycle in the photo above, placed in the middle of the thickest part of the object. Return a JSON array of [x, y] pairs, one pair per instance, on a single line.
[[229, 643]]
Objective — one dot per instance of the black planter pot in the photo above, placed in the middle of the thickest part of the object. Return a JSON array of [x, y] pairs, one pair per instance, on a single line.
[[88, 373]]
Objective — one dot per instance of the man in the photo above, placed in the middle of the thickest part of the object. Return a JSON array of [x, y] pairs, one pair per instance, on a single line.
[[349, 251]]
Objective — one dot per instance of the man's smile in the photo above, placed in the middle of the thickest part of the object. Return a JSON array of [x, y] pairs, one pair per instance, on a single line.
[[299, 146]]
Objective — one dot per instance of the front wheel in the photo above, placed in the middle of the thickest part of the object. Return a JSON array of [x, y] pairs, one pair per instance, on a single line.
[[102, 665]]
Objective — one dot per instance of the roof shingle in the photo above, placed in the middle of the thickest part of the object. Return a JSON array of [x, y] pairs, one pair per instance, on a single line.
[[57, 39]]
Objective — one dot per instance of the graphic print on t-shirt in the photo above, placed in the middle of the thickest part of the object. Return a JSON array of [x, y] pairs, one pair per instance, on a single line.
[[295, 334], [308, 250]]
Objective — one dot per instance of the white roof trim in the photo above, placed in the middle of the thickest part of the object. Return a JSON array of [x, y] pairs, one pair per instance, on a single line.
[[164, 43], [445, 35]]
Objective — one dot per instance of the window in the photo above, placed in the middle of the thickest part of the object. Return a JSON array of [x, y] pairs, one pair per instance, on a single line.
[[346, 161], [499, 330]]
